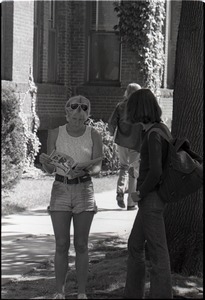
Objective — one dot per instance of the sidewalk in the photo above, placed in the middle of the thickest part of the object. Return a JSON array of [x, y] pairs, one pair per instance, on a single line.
[[27, 238]]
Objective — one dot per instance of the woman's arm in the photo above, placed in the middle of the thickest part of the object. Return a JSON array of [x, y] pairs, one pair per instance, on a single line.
[[113, 121], [155, 164], [96, 152]]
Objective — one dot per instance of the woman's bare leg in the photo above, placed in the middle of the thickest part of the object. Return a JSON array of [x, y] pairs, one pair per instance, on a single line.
[[82, 224], [61, 226]]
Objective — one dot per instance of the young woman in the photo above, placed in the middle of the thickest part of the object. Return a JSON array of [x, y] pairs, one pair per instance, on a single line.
[[142, 107], [72, 196]]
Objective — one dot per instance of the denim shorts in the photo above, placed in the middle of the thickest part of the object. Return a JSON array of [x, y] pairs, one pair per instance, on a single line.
[[73, 197]]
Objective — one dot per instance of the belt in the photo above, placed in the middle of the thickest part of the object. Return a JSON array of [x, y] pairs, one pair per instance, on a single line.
[[74, 180]]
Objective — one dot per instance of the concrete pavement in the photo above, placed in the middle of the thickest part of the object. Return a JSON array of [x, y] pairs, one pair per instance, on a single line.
[[27, 238]]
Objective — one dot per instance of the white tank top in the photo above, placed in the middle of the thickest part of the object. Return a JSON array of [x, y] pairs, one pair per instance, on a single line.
[[79, 148]]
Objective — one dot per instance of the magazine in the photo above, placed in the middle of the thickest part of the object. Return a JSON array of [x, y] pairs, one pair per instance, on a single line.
[[66, 162]]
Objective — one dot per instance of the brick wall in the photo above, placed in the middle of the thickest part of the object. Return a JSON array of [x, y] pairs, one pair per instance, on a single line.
[[22, 35], [103, 99], [129, 68], [61, 40], [78, 43], [72, 69], [68, 58], [18, 50], [44, 41], [72, 61], [51, 100]]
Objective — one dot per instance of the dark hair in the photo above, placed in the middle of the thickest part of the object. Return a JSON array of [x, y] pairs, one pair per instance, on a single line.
[[142, 106]]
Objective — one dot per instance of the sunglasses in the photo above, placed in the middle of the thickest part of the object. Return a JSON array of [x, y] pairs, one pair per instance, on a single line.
[[75, 106]]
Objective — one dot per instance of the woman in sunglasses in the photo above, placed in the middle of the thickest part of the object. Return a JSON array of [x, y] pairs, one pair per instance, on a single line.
[[72, 196]]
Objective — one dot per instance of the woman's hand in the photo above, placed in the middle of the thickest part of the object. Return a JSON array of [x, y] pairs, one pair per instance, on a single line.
[[135, 196], [76, 172], [44, 159]]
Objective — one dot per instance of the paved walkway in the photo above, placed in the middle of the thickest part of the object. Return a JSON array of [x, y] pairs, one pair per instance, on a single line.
[[27, 238]]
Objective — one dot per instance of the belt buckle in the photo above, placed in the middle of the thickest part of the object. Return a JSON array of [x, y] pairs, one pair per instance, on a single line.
[[65, 180], [78, 178]]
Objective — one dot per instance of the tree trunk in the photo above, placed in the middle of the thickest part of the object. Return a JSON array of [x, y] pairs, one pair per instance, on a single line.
[[184, 220]]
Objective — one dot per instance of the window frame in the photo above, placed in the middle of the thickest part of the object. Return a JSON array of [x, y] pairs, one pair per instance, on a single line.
[[92, 31], [52, 59]]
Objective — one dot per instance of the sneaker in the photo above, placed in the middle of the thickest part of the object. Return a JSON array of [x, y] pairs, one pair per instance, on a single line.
[[82, 296], [131, 207], [59, 296], [121, 203], [120, 200]]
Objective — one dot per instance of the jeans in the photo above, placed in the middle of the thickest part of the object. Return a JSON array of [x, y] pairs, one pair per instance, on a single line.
[[128, 158], [148, 226]]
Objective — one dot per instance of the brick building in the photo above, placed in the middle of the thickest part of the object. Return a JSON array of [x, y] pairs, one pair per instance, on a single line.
[[70, 48]]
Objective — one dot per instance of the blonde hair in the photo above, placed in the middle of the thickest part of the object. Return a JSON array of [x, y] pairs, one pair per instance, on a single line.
[[131, 88]]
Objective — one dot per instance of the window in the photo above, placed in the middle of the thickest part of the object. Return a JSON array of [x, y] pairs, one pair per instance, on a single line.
[[52, 43], [104, 46]]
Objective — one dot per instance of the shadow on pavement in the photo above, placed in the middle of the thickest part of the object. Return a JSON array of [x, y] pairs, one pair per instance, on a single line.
[[22, 252]]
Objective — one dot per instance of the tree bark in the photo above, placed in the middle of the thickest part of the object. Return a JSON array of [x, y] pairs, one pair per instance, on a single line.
[[184, 220]]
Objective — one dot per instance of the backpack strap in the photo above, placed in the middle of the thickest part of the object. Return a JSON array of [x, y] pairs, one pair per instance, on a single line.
[[167, 136]]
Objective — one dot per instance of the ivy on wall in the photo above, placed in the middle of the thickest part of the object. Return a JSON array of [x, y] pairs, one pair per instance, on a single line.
[[31, 125], [140, 27]]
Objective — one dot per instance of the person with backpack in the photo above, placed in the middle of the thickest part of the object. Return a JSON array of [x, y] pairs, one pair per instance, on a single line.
[[148, 228], [128, 145]]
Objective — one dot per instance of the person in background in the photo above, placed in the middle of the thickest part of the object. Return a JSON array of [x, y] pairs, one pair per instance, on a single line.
[[72, 196], [148, 228], [128, 138]]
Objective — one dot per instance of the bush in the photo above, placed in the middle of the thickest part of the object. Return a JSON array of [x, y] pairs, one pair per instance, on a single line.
[[111, 159], [13, 139]]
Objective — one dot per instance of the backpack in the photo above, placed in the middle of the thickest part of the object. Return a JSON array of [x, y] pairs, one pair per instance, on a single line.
[[182, 173]]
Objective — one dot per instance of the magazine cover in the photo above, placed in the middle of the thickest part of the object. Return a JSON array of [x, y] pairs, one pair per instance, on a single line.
[[66, 162], [62, 161]]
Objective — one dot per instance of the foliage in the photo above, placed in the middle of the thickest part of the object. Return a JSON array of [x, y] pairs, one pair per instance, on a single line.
[[20, 144], [140, 27], [30, 127], [111, 160], [13, 139]]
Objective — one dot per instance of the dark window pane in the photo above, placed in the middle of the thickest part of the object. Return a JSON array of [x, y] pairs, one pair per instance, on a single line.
[[52, 56], [107, 17], [36, 50], [103, 16], [104, 57]]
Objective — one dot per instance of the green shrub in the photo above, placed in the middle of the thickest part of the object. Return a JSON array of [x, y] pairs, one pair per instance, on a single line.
[[111, 159], [13, 139]]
